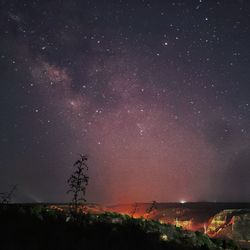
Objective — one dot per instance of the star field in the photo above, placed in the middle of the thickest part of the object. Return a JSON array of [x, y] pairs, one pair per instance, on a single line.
[[155, 92]]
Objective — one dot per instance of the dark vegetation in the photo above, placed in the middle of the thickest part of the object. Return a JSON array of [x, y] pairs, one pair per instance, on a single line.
[[39, 227], [6, 197]]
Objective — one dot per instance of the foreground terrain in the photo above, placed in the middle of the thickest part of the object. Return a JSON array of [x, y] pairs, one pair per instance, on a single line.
[[218, 220], [47, 227]]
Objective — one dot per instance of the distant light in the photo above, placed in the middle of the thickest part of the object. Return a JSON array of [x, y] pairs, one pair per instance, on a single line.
[[164, 237], [182, 201]]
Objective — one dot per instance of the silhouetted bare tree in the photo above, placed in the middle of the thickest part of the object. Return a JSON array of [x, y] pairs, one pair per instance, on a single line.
[[78, 182], [5, 198], [134, 209], [151, 208]]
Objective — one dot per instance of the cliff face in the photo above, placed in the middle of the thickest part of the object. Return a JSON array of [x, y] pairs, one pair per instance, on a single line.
[[233, 224]]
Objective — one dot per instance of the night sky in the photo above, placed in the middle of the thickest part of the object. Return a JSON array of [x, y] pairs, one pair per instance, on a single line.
[[156, 93]]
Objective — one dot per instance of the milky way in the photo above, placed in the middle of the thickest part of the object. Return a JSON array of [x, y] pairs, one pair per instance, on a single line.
[[156, 93]]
